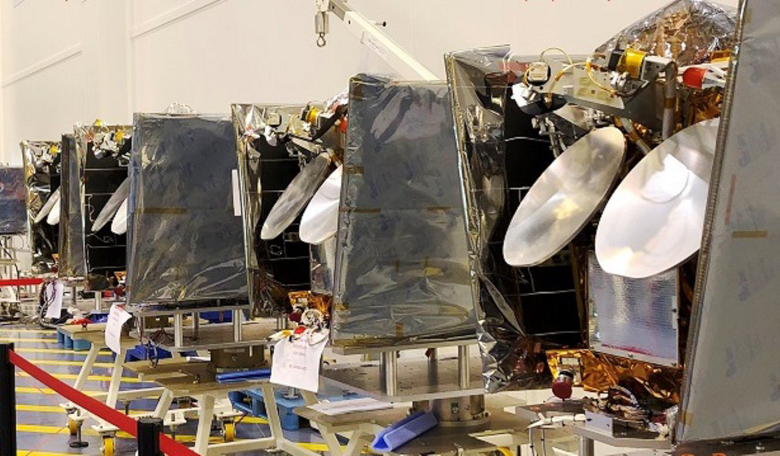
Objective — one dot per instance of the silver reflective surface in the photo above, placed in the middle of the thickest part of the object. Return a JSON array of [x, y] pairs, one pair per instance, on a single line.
[[402, 260], [633, 318], [730, 388], [54, 215], [564, 198], [320, 220], [119, 223], [280, 265], [185, 241], [111, 207], [13, 210], [295, 197], [72, 261], [684, 30], [51, 202], [41, 174], [520, 312], [654, 219]]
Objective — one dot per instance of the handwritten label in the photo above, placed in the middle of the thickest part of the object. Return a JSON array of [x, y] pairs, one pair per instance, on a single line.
[[117, 318], [54, 292], [296, 362]]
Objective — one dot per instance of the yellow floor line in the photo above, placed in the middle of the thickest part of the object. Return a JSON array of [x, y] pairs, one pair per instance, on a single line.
[[39, 408], [57, 351], [56, 362], [48, 340], [50, 392], [92, 378], [41, 453], [319, 447], [86, 430], [28, 331], [57, 409]]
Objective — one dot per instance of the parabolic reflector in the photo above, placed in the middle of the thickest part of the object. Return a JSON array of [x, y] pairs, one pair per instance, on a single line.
[[111, 207], [54, 200], [295, 197], [321, 218], [654, 220], [564, 198]]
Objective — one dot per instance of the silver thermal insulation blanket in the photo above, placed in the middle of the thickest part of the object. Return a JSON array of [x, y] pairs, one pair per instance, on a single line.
[[402, 259], [185, 234]]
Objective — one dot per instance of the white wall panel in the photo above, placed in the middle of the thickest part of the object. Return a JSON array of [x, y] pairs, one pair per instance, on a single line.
[[42, 106], [140, 55]]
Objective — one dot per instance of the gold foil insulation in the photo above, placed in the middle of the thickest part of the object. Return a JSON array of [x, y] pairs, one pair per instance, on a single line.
[[687, 31], [310, 300], [597, 372]]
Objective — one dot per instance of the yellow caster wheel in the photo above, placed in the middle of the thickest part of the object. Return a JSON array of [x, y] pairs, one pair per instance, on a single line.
[[108, 446], [503, 451], [230, 431], [73, 426]]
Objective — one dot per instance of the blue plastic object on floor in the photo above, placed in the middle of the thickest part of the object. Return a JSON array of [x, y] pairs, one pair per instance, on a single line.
[[403, 431], [232, 377], [217, 317], [142, 353], [98, 317]]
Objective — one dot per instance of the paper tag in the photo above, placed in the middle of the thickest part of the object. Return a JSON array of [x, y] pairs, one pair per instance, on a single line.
[[236, 194], [54, 293], [117, 318], [296, 362]]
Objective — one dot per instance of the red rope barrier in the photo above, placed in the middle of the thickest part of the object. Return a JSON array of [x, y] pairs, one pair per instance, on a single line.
[[120, 420], [22, 282]]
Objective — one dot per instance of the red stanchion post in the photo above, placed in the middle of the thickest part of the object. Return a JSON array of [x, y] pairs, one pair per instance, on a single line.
[[7, 402]]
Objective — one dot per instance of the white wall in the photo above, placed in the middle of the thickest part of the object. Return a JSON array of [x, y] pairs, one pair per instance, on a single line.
[[78, 60]]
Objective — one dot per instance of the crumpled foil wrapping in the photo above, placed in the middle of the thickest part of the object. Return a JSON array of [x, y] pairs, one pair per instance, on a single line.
[[686, 31], [402, 262], [185, 240], [41, 177], [310, 300], [101, 173], [598, 371], [521, 312], [280, 265], [72, 265], [91, 258], [13, 211]]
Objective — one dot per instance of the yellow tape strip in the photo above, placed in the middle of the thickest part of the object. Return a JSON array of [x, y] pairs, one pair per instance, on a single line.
[[28, 331], [50, 392], [46, 340], [57, 351], [94, 378], [41, 453], [56, 362]]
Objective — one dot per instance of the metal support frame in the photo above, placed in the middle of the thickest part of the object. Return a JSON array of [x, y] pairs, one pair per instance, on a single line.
[[371, 35], [116, 377], [586, 446], [178, 329], [238, 315], [464, 367], [388, 363], [204, 424]]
